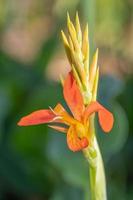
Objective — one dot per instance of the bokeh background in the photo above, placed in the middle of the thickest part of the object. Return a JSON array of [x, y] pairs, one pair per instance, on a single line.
[[35, 163]]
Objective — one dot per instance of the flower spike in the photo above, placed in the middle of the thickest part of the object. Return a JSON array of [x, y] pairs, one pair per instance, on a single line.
[[80, 92]]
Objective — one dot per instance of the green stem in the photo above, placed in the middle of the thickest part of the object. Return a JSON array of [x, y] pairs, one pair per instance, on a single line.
[[97, 175]]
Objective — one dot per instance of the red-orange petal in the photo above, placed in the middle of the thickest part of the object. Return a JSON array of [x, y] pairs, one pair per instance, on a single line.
[[37, 117], [74, 142], [73, 96], [106, 118]]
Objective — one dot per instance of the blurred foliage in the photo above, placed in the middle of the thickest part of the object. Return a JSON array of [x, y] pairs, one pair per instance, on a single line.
[[35, 162]]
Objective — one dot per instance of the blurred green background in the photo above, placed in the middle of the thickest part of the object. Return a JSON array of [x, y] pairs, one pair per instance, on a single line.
[[35, 163]]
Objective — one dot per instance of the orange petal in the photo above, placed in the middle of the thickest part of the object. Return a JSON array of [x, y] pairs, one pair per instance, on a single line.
[[106, 118], [66, 118], [59, 128], [74, 142], [59, 110], [37, 117], [73, 96]]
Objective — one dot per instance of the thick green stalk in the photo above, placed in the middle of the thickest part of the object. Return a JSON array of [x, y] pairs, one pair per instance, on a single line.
[[96, 168]]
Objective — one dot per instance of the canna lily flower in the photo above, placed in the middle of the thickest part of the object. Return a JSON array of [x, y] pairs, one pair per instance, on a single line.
[[80, 93], [76, 126]]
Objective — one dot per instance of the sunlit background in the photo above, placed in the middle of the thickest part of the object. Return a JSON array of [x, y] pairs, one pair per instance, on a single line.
[[35, 163]]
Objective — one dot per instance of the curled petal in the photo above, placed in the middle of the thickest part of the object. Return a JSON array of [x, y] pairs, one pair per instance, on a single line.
[[74, 142], [38, 117], [73, 96], [106, 118]]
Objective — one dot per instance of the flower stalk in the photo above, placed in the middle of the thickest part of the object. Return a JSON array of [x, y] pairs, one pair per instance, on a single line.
[[80, 93], [96, 168], [87, 79]]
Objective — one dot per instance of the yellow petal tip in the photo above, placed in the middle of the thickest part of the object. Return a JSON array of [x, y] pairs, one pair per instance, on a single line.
[[68, 17]]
